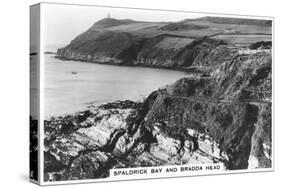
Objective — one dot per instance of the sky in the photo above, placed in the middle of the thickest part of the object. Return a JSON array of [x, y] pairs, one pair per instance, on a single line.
[[64, 22]]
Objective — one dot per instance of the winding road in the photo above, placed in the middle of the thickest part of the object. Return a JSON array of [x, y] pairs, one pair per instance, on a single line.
[[215, 100]]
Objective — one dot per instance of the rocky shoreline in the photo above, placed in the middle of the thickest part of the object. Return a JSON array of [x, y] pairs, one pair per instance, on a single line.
[[188, 58], [193, 70], [220, 116], [223, 117], [86, 145]]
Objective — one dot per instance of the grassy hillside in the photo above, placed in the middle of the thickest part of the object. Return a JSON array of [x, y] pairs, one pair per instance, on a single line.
[[175, 45], [223, 114]]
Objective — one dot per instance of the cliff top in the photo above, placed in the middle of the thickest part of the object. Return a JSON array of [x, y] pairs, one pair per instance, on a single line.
[[110, 22]]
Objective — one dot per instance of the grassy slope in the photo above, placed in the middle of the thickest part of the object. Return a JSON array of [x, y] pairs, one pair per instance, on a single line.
[[198, 27], [240, 129], [130, 41], [189, 28]]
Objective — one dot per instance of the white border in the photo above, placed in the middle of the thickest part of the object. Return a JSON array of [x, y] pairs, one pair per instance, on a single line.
[[42, 78]]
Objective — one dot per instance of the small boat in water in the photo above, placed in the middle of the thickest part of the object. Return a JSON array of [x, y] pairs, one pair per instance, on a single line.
[[74, 72]]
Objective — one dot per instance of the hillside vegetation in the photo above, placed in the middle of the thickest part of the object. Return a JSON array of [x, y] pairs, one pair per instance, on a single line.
[[177, 45], [222, 114]]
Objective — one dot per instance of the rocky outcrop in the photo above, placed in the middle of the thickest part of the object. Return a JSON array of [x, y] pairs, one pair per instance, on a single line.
[[221, 117], [261, 45], [163, 51], [175, 45], [233, 106], [111, 136]]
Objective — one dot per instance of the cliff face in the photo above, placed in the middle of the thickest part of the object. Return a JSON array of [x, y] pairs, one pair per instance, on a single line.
[[88, 144], [179, 45], [224, 117], [163, 51], [220, 116], [233, 106]]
